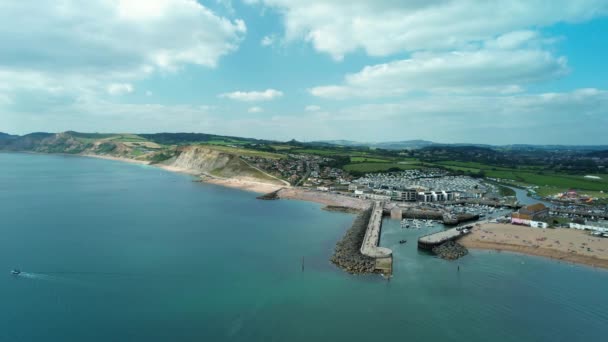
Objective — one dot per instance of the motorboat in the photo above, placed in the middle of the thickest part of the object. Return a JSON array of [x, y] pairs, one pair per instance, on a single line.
[[16, 272], [402, 241]]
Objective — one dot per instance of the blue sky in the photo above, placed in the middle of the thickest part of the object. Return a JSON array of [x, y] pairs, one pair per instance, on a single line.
[[449, 71]]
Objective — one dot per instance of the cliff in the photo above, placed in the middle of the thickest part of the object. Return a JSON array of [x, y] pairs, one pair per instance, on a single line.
[[210, 162], [195, 159]]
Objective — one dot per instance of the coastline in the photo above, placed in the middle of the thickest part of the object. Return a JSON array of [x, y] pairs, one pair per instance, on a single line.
[[567, 245], [283, 191], [235, 183], [126, 160], [326, 198]]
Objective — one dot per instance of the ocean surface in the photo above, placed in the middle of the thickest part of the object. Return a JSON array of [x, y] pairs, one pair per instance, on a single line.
[[119, 252]]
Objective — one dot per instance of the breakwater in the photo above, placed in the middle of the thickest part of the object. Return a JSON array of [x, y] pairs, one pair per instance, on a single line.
[[450, 250], [431, 241], [347, 254], [271, 196], [341, 209]]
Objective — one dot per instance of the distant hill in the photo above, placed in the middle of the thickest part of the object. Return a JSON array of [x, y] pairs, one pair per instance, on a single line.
[[598, 154], [417, 144], [5, 136], [557, 147], [395, 145], [189, 138], [32, 140]]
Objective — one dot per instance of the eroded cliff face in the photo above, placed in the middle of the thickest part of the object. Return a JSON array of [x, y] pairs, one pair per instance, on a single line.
[[199, 159], [196, 158]]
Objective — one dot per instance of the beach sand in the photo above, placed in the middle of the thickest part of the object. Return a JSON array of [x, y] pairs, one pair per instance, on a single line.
[[247, 184], [237, 183], [126, 160], [244, 184], [569, 245], [327, 198]]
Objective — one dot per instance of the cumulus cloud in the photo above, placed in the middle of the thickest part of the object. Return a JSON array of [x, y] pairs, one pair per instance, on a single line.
[[385, 27], [312, 108], [75, 47], [494, 68], [565, 118], [576, 117], [252, 96], [255, 109], [268, 40], [120, 88]]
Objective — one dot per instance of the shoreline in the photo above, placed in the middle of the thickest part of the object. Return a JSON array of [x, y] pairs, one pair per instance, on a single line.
[[543, 253], [567, 245], [283, 191], [326, 198], [121, 159], [234, 183]]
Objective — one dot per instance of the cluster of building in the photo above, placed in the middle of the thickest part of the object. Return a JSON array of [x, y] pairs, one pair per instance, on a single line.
[[573, 196], [535, 216], [418, 185], [531, 216], [304, 168]]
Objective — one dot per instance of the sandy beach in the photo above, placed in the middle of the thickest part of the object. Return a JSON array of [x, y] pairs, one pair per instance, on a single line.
[[327, 198], [569, 245], [126, 160], [244, 184]]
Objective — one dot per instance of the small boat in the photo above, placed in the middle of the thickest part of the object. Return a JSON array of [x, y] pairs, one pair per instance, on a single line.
[[16, 272], [402, 241]]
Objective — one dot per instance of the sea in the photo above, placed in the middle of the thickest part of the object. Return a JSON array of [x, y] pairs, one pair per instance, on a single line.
[[111, 251]]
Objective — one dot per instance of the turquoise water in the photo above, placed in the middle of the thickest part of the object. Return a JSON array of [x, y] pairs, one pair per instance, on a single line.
[[119, 252]]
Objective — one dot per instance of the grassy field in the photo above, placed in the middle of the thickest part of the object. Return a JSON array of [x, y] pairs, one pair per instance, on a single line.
[[281, 147], [549, 182], [339, 152], [378, 167], [245, 152], [368, 160]]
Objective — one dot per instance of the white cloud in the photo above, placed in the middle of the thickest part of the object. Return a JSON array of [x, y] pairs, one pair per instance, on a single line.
[[312, 108], [268, 40], [116, 89], [73, 48], [252, 96], [495, 69], [255, 109], [385, 27], [577, 117], [118, 35]]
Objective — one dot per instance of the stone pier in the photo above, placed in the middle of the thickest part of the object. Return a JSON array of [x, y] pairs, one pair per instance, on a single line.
[[370, 246]]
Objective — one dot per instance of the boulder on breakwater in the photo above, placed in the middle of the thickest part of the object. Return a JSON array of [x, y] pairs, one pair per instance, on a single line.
[[450, 250], [347, 254], [271, 196], [341, 209]]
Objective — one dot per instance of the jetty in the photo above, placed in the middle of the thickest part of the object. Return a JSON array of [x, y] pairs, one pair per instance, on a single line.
[[430, 241], [370, 246]]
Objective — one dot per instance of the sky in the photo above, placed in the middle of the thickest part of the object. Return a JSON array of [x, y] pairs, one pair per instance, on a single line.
[[466, 71]]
